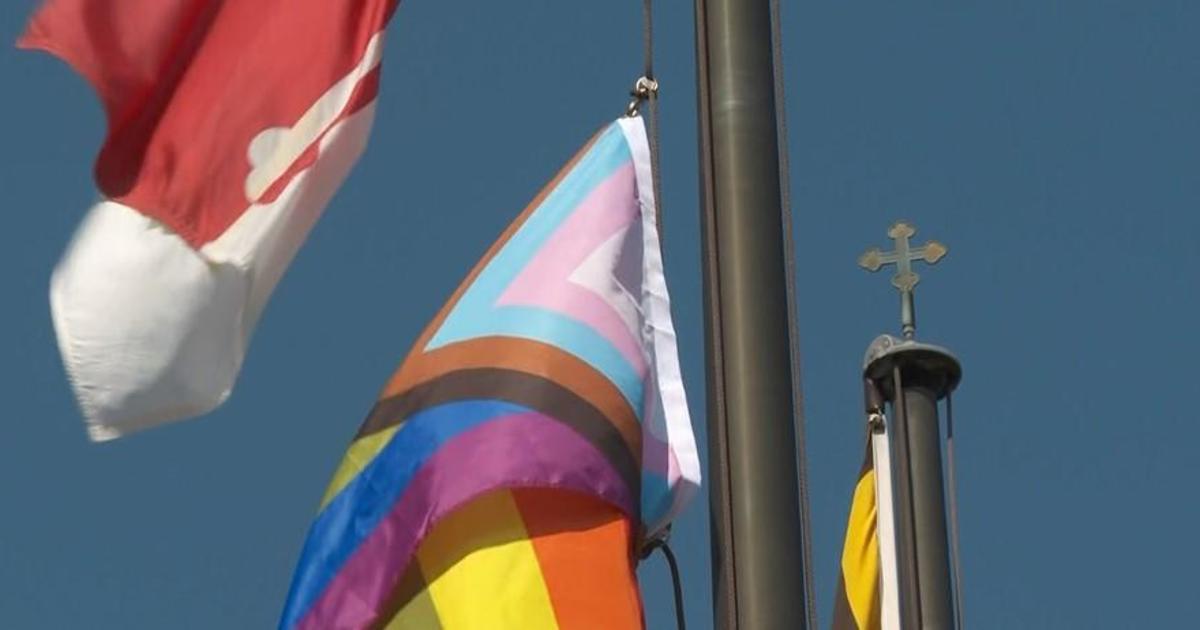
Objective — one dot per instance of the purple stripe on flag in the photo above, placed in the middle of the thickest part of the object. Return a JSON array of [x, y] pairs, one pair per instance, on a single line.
[[521, 450]]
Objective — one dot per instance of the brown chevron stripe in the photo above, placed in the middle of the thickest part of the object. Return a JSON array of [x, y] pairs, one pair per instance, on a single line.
[[410, 585], [520, 355], [524, 389]]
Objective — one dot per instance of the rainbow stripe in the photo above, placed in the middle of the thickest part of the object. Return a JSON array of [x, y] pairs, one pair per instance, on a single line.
[[517, 559], [552, 367]]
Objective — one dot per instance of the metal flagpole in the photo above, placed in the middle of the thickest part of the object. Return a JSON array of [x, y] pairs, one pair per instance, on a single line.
[[758, 551], [913, 377]]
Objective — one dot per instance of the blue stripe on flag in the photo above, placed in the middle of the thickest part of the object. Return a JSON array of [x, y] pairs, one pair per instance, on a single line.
[[364, 502]]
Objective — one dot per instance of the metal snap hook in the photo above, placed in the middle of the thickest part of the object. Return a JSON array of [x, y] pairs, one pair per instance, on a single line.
[[643, 88]]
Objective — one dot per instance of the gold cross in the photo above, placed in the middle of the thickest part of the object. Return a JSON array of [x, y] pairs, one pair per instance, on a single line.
[[905, 279]]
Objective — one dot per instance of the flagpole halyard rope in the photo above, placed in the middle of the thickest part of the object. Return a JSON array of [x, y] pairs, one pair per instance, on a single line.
[[952, 490], [721, 519], [645, 90], [662, 543], [789, 249]]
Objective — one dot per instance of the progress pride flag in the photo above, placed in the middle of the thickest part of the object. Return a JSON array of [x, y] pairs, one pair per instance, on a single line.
[[231, 123]]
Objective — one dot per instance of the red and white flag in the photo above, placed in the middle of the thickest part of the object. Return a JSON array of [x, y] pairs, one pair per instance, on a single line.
[[231, 123]]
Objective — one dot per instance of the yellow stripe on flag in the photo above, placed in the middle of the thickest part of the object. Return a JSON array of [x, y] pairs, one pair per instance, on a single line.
[[860, 556], [482, 569], [360, 453], [419, 613]]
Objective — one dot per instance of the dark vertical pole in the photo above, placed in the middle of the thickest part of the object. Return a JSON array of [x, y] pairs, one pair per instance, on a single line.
[[914, 376], [758, 579], [905, 522], [928, 507]]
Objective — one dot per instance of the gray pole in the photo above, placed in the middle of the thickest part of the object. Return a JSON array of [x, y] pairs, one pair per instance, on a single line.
[[758, 577], [902, 491], [928, 505], [914, 376]]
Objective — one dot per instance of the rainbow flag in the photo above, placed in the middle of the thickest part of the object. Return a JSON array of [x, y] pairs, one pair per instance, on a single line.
[[554, 367]]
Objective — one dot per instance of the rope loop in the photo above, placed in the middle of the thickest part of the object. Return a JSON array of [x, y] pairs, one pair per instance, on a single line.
[[661, 543]]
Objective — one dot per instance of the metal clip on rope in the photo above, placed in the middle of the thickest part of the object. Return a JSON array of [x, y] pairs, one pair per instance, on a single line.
[[643, 89]]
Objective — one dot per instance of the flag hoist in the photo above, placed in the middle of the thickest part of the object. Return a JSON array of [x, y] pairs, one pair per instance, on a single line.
[[895, 570]]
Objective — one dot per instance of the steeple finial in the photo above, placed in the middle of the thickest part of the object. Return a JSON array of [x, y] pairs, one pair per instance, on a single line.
[[905, 279]]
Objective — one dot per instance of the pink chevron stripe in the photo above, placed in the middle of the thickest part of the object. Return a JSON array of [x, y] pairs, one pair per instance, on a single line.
[[547, 281], [659, 457]]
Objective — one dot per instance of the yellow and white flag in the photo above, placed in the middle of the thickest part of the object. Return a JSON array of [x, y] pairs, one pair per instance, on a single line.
[[866, 594]]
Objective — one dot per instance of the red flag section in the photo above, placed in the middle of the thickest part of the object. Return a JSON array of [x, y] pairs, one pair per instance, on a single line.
[[210, 103], [231, 123]]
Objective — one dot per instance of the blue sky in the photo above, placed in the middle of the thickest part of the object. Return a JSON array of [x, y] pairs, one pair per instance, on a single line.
[[1052, 146]]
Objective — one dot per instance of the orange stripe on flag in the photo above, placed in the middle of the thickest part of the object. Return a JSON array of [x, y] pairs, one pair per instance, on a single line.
[[583, 547]]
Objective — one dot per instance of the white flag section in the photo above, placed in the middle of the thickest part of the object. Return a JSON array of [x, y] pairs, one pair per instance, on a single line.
[[231, 125], [152, 330], [889, 576]]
